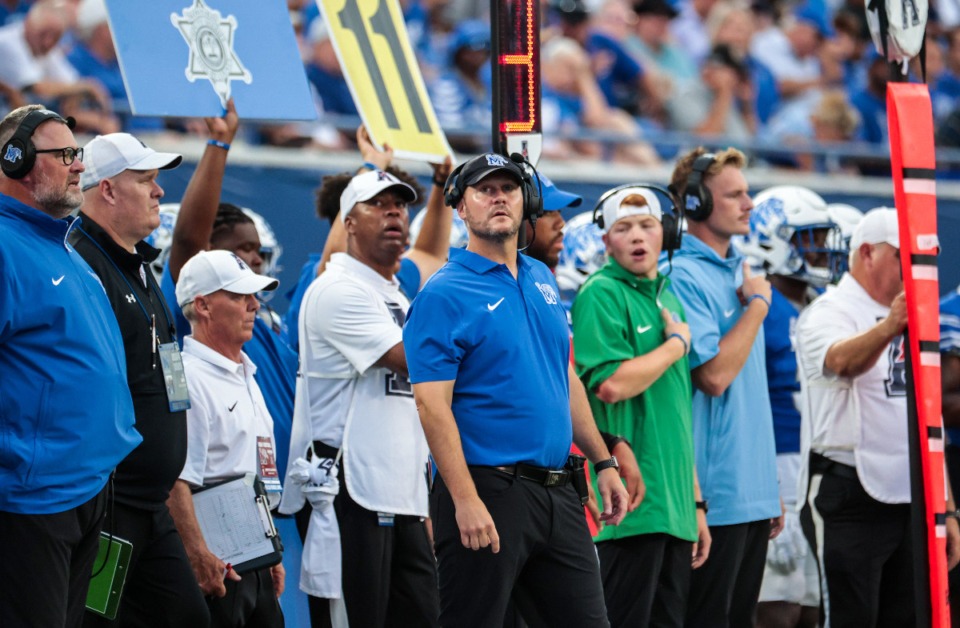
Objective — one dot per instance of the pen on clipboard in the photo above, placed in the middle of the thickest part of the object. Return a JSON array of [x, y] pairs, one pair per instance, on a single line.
[[226, 570]]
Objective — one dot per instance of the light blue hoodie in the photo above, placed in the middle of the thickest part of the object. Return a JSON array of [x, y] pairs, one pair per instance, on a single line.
[[733, 433]]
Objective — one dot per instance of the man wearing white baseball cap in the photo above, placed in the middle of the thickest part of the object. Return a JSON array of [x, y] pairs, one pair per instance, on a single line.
[[354, 407], [229, 429], [367, 185], [631, 354], [121, 203], [856, 474]]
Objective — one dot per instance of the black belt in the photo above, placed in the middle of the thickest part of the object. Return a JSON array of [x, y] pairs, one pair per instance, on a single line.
[[821, 464], [324, 450], [540, 475]]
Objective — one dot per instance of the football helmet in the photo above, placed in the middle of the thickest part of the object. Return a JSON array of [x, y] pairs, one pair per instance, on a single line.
[[792, 234], [583, 253]]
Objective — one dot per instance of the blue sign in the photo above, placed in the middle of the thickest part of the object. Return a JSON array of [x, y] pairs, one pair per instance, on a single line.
[[188, 57]]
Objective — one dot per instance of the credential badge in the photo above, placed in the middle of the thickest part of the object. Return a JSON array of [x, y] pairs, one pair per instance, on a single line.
[[210, 38]]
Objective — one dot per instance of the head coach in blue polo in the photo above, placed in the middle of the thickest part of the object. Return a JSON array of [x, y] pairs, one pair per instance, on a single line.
[[488, 351]]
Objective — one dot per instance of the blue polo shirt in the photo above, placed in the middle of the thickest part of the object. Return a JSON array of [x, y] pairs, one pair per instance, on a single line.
[[506, 343]]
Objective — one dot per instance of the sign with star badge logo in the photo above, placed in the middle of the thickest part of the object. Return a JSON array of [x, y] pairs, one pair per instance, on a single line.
[[210, 37], [189, 57]]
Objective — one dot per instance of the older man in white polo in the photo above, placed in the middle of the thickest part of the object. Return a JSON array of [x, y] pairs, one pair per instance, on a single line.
[[229, 430]]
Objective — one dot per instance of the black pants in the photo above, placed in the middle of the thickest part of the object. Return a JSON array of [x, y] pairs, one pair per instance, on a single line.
[[250, 603], [389, 575], [724, 591], [46, 565], [863, 551], [646, 579], [161, 589], [545, 548]]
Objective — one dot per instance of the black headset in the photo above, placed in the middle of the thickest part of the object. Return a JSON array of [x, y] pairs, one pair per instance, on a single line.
[[532, 192], [19, 154], [672, 219], [697, 199]]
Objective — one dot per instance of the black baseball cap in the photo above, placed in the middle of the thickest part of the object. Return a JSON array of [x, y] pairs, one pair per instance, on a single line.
[[655, 7], [484, 165], [572, 11]]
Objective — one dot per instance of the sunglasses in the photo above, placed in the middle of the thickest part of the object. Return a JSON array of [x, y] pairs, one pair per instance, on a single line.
[[69, 154]]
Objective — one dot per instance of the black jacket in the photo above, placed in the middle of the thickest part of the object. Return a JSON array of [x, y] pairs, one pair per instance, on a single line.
[[145, 477]]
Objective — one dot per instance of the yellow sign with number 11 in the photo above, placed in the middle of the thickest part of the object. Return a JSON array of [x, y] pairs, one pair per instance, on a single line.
[[371, 42]]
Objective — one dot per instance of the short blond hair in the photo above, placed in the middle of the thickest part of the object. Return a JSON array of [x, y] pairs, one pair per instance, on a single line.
[[681, 172]]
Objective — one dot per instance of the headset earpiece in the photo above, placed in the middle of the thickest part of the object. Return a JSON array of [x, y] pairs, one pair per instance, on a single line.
[[697, 199], [532, 192], [452, 194], [19, 154]]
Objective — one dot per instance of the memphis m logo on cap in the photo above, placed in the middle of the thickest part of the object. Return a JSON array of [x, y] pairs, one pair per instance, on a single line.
[[495, 160], [13, 154]]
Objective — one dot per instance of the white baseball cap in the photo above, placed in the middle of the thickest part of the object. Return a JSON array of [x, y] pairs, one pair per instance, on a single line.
[[365, 186], [878, 225], [613, 208], [209, 271], [107, 156]]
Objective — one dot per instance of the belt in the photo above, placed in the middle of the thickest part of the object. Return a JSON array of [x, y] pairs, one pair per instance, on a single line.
[[540, 475], [821, 464], [324, 450]]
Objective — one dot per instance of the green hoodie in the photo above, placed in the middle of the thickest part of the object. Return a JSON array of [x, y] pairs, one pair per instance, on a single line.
[[616, 317]]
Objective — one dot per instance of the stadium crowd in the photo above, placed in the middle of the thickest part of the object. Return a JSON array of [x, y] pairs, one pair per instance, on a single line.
[[685, 407], [793, 75]]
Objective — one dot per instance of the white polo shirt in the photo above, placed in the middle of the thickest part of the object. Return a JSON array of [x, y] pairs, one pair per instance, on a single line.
[[350, 317], [228, 419], [860, 421], [20, 69]]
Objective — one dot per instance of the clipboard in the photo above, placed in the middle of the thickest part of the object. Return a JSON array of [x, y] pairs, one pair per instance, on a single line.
[[110, 566], [234, 516]]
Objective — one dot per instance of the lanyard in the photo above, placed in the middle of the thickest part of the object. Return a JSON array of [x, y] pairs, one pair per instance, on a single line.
[[150, 319]]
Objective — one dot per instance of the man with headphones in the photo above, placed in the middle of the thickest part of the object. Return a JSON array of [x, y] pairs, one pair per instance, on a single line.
[[487, 349], [732, 423], [631, 354], [65, 408]]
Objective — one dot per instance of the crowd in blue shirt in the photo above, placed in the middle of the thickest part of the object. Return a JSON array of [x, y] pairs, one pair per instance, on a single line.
[[649, 60]]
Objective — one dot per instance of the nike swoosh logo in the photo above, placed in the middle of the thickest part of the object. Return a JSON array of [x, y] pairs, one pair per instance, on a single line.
[[495, 305], [729, 313], [642, 330], [56, 282], [232, 407]]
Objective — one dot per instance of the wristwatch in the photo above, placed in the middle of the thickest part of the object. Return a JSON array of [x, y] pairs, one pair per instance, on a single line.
[[610, 462], [702, 506], [955, 514]]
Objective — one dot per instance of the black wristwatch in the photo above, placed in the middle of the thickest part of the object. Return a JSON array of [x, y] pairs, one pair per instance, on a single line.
[[609, 463], [955, 514], [702, 506]]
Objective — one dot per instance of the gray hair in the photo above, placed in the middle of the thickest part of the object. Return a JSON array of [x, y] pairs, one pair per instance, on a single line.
[[10, 123], [190, 313]]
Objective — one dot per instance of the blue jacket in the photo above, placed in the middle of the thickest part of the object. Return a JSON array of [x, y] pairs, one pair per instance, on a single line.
[[733, 433], [66, 418]]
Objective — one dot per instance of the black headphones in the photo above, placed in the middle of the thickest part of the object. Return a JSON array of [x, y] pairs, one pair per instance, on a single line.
[[19, 154], [672, 219], [697, 199], [532, 192]]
